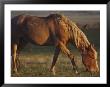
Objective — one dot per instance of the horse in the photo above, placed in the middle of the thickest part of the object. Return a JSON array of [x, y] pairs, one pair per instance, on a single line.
[[56, 30]]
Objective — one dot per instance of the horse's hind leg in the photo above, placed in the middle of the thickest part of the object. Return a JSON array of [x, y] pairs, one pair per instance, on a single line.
[[14, 50], [65, 50], [57, 51], [21, 45]]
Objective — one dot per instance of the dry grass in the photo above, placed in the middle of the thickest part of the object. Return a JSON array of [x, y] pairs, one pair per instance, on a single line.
[[37, 61]]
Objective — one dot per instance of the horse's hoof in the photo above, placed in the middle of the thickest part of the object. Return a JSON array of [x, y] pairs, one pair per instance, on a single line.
[[76, 72], [53, 71], [15, 70]]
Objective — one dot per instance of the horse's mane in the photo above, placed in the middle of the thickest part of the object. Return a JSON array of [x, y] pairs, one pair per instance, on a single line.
[[77, 34], [80, 38]]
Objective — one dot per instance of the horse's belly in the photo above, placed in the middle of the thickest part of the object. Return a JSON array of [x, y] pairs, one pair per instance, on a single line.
[[42, 41], [39, 38]]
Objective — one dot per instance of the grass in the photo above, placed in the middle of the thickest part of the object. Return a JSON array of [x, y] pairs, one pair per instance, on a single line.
[[37, 61]]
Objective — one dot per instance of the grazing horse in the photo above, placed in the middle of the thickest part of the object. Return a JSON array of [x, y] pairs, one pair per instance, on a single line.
[[56, 30]]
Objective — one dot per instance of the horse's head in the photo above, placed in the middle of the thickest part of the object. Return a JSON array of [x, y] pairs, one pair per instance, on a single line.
[[89, 58]]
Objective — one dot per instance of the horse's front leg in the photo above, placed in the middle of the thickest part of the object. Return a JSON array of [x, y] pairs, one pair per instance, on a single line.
[[57, 51], [66, 51]]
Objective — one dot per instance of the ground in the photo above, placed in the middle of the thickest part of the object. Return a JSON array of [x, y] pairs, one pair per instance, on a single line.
[[36, 61]]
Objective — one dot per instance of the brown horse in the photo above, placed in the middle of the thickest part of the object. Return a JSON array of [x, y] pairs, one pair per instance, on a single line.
[[56, 30]]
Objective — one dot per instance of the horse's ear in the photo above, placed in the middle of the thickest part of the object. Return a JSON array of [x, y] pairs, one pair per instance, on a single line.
[[92, 45], [89, 47]]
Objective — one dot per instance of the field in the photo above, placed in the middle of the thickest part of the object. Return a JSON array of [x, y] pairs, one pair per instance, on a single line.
[[36, 60]]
